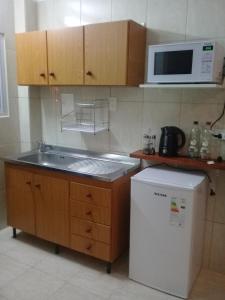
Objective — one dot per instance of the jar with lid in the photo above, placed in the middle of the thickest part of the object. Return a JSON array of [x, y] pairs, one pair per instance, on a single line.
[[146, 143]]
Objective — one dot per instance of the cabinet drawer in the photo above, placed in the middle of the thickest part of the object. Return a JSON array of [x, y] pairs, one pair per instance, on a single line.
[[91, 230], [90, 194], [90, 247], [91, 212]]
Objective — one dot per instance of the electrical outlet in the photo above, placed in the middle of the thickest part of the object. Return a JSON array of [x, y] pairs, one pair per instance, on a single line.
[[220, 134], [112, 104], [67, 102]]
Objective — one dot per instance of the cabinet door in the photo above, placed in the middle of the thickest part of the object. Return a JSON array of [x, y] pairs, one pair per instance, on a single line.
[[65, 56], [52, 215], [31, 54], [20, 201], [106, 53]]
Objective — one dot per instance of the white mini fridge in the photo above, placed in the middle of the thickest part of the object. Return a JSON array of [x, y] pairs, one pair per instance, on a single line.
[[167, 228]]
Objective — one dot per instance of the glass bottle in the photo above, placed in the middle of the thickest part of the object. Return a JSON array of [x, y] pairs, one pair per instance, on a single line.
[[205, 150], [194, 142]]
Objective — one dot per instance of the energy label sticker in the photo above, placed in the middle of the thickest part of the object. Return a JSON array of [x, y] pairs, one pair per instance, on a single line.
[[177, 211]]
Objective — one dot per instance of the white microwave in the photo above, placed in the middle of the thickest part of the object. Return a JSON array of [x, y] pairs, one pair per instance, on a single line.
[[186, 62]]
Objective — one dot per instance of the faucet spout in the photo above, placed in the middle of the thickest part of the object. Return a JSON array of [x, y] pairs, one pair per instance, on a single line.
[[41, 146]]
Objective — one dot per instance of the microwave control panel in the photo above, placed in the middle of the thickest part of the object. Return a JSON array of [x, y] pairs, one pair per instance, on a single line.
[[207, 58]]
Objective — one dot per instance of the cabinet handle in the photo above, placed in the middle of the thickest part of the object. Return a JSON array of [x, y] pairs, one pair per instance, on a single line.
[[89, 73], [89, 247], [89, 196], [88, 213], [52, 74], [38, 186], [42, 74], [28, 182], [89, 230]]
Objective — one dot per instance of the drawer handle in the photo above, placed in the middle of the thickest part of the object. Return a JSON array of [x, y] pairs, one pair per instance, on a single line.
[[89, 196], [52, 74], [89, 73], [89, 247], [89, 230], [89, 213], [28, 182], [42, 75], [38, 186]]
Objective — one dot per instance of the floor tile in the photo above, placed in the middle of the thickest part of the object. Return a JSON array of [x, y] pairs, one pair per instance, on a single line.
[[32, 284], [98, 281], [29, 250], [133, 290], [30, 270], [10, 269], [61, 267], [71, 292]]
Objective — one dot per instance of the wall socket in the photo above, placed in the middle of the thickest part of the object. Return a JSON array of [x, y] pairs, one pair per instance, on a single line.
[[112, 104]]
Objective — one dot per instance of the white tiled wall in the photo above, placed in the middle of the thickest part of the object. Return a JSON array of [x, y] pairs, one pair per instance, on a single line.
[[9, 133], [29, 107], [139, 109], [16, 131]]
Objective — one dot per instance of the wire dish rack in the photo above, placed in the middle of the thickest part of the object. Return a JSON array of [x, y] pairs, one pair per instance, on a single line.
[[89, 117]]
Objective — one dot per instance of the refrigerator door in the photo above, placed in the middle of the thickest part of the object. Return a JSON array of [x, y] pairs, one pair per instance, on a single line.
[[160, 237]]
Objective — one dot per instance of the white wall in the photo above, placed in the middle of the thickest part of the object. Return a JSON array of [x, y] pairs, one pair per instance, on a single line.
[[17, 132], [139, 109], [29, 106], [9, 133]]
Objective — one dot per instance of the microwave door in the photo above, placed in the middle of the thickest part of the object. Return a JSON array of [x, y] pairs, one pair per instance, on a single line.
[[172, 66], [173, 62]]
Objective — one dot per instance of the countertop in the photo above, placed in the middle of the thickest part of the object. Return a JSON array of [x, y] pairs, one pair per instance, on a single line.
[[101, 166]]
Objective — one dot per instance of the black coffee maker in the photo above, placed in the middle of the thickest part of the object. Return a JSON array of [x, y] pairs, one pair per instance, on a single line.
[[172, 139]]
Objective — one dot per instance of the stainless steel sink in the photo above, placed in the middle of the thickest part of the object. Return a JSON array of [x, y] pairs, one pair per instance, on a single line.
[[87, 166], [97, 167], [49, 159], [102, 166]]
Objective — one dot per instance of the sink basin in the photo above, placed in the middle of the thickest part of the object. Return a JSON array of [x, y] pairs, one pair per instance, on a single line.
[[50, 160], [88, 166], [102, 166]]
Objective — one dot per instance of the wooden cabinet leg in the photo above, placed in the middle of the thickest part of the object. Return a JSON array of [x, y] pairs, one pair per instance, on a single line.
[[14, 233], [56, 249], [108, 267]]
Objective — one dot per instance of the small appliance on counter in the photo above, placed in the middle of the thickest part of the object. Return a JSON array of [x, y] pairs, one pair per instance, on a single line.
[[172, 139], [167, 228], [185, 62]]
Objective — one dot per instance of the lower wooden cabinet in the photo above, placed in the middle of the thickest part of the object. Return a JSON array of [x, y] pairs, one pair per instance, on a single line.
[[20, 201], [52, 206], [91, 247], [90, 212], [91, 230], [84, 214]]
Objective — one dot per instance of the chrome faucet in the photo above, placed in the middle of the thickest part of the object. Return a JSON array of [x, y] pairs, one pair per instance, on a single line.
[[42, 147]]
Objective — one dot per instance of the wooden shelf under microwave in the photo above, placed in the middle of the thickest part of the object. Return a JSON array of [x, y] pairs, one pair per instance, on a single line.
[[180, 161]]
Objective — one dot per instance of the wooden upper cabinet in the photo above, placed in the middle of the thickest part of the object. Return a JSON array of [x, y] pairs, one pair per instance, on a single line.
[[20, 202], [31, 51], [52, 209], [114, 53], [65, 56], [110, 53]]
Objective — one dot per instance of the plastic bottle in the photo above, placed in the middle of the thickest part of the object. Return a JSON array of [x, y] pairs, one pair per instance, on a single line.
[[205, 142], [194, 144]]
